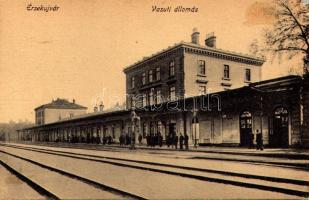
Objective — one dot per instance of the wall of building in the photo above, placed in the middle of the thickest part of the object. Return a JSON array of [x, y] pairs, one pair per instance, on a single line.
[[162, 84], [214, 74], [53, 115], [39, 116]]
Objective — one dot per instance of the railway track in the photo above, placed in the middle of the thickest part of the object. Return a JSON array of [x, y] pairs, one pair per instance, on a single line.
[[286, 186], [36, 187], [61, 184]]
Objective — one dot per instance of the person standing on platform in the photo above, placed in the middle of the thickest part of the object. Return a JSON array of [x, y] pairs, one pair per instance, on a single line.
[[181, 139], [121, 140], [148, 140], [186, 139], [168, 140], [127, 139], [171, 140], [160, 139], [152, 140], [175, 141], [259, 140], [140, 137]]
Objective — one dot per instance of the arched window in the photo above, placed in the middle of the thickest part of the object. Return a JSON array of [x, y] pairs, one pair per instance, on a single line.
[[281, 114], [246, 120]]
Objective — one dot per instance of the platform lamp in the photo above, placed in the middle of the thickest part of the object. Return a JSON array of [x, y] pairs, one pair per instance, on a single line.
[[134, 122], [194, 111]]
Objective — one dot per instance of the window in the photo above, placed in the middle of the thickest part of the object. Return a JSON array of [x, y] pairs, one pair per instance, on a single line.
[[150, 76], [144, 100], [172, 68], [151, 101], [246, 120], [226, 71], [158, 97], [248, 75], [158, 74], [202, 89], [172, 93], [144, 78], [132, 82], [201, 67], [133, 101]]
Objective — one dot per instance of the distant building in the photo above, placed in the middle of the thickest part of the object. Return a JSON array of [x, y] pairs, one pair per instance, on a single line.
[[189, 69], [56, 110]]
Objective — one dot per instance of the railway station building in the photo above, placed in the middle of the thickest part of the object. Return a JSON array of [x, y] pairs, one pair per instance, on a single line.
[[215, 96]]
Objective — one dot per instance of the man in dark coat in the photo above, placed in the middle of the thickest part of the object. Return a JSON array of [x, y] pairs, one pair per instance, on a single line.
[[121, 139], [259, 140], [175, 141], [168, 140], [152, 142], [98, 139], [160, 139], [186, 139], [127, 142], [181, 139], [148, 140], [140, 137]]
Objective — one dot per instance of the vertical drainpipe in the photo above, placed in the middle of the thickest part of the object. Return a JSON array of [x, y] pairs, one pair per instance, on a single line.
[[261, 117], [184, 114]]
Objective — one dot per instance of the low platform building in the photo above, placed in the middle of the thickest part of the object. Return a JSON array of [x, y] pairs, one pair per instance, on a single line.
[[279, 108]]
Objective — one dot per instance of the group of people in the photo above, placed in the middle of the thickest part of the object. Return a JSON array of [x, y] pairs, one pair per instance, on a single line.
[[173, 139], [91, 139], [152, 140], [125, 139]]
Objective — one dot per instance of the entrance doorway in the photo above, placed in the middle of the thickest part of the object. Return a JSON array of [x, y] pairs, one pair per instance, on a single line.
[[172, 128], [280, 135], [246, 136]]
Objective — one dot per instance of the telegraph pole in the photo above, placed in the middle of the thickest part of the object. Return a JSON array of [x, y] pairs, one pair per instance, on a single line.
[[134, 122]]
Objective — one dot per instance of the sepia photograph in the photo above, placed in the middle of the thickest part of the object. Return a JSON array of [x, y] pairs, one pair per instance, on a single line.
[[154, 99]]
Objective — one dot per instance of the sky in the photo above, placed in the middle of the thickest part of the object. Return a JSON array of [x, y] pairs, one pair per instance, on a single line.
[[79, 51]]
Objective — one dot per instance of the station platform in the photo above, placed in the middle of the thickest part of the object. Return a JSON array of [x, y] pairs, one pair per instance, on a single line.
[[295, 158]]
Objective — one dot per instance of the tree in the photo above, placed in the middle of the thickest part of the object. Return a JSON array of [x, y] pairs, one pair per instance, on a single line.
[[290, 32], [255, 49]]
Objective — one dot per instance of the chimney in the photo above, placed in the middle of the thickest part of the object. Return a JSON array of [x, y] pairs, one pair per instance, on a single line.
[[101, 106], [210, 40], [195, 37], [73, 101], [95, 108]]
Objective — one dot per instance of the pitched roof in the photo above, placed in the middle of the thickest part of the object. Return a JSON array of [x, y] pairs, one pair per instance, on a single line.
[[61, 104]]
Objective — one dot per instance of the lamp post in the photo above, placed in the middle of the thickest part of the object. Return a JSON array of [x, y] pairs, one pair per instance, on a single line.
[[194, 122], [134, 122]]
